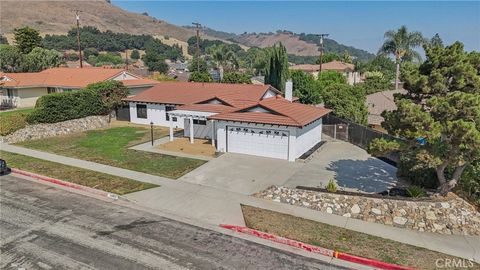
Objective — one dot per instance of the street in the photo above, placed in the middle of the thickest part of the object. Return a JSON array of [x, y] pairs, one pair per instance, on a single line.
[[48, 228]]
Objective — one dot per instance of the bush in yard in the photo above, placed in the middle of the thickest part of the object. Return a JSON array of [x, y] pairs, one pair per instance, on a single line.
[[331, 186], [415, 192], [111, 92], [12, 123], [60, 107]]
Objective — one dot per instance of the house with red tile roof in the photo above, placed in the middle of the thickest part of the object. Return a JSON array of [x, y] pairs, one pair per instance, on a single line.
[[23, 89], [347, 69], [240, 118]]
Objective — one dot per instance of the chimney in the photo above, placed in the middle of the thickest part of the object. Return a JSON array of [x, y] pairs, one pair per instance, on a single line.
[[289, 90]]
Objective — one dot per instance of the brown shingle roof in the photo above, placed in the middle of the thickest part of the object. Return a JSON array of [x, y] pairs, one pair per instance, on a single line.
[[334, 65], [380, 102]]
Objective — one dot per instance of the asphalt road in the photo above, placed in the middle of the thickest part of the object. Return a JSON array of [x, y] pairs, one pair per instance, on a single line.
[[47, 228]]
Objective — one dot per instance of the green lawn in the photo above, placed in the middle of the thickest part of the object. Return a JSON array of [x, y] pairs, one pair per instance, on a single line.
[[106, 182], [340, 239], [110, 147], [12, 112]]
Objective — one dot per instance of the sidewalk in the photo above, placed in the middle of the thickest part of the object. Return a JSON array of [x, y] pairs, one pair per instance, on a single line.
[[214, 206]]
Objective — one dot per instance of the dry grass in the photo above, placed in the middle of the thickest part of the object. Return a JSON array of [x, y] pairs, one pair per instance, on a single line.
[[183, 145], [106, 182], [341, 239]]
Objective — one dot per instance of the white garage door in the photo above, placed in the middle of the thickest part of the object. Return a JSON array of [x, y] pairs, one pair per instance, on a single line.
[[260, 142]]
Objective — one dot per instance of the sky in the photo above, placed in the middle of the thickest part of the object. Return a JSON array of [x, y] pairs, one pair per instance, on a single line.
[[355, 23]]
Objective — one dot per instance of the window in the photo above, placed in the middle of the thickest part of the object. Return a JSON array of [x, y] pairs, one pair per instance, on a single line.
[[142, 111], [174, 119], [199, 122], [51, 90], [11, 93], [167, 109]]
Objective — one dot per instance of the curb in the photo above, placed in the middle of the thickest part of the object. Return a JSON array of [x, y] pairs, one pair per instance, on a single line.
[[315, 249], [68, 184]]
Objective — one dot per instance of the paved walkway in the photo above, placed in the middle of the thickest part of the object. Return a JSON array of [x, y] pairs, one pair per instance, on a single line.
[[215, 206]]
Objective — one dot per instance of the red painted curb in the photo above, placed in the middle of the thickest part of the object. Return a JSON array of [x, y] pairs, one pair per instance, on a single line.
[[315, 249], [66, 184]]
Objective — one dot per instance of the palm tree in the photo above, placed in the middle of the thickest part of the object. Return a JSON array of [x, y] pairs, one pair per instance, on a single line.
[[401, 44]]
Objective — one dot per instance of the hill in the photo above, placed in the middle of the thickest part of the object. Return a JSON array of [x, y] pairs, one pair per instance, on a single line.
[[58, 17], [296, 44]]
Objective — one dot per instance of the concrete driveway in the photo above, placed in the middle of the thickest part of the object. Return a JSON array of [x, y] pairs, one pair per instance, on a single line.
[[243, 174], [352, 168]]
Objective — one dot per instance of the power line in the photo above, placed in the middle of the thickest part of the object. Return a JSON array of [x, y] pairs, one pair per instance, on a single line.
[[197, 53], [321, 50], [77, 17]]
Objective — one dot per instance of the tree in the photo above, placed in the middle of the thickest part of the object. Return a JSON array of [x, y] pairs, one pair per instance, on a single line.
[[346, 101], [276, 73], [3, 40], [155, 62], [224, 57], [346, 57], [199, 77], [111, 92], [328, 57], [236, 77], [329, 77], [436, 41], [439, 117], [39, 59], [135, 55], [305, 87], [401, 44], [198, 65], [10, 58], [26, 39]]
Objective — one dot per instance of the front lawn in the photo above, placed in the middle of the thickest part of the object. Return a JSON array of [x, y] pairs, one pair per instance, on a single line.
[[106, 182], [340, 239], [16, 111], [110, 147]]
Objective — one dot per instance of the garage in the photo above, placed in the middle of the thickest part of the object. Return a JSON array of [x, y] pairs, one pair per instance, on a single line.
[[257, 141]]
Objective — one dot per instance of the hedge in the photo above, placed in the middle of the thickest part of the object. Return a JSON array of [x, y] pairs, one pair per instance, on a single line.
[[12, 123], [64, 106]]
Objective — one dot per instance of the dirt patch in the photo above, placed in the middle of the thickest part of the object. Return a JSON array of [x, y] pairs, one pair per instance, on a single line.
[[343, 240], [183, 145]]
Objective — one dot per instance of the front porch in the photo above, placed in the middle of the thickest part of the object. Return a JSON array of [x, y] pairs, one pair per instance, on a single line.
[[196, 126]]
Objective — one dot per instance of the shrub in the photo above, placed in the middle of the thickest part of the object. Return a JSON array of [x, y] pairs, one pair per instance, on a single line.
[[415, 192], [60, 107], [331, 186], [12, 123], [199, 77], [236, 77]]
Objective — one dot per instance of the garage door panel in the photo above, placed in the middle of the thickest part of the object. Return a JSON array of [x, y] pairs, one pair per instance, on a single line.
[[260, 142]]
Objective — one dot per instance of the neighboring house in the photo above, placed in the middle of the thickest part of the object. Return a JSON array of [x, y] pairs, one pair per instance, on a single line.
[[23, 89], [378, 103], [258, 80], [240, 118], [347, 69]]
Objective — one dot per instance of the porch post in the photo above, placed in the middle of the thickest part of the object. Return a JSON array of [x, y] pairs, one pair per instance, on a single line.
[[191, 129], [171, 128], [213, 132]]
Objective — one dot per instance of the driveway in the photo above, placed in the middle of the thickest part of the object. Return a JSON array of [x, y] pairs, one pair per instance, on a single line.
[[352, 168], [243, 174]]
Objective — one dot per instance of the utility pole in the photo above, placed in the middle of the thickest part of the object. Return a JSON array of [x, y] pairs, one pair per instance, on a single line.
[[126, 59], [197, 53], [321, 50], [77, 17]]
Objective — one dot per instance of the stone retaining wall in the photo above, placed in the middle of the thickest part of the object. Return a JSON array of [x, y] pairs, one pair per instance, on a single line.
[[39, 131], [451, 215]]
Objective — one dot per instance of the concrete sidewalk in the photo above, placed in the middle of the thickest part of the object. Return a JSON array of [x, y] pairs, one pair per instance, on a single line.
[[215, 206]]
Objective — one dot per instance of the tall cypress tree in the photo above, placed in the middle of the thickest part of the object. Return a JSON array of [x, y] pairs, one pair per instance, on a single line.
[[276, 73]]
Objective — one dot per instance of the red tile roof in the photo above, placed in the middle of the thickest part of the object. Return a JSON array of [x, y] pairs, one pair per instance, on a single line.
[[69, 78], [282, 112], [235, 99], [191, 92]]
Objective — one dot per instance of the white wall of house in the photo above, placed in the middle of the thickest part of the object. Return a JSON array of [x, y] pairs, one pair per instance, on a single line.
[[22, 98], [307, 137], [269, 93], [222, 141], [199, 131], [124, 76], [155, 113]]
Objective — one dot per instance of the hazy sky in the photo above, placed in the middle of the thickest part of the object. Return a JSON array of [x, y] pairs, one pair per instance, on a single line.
[[357, 23]]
